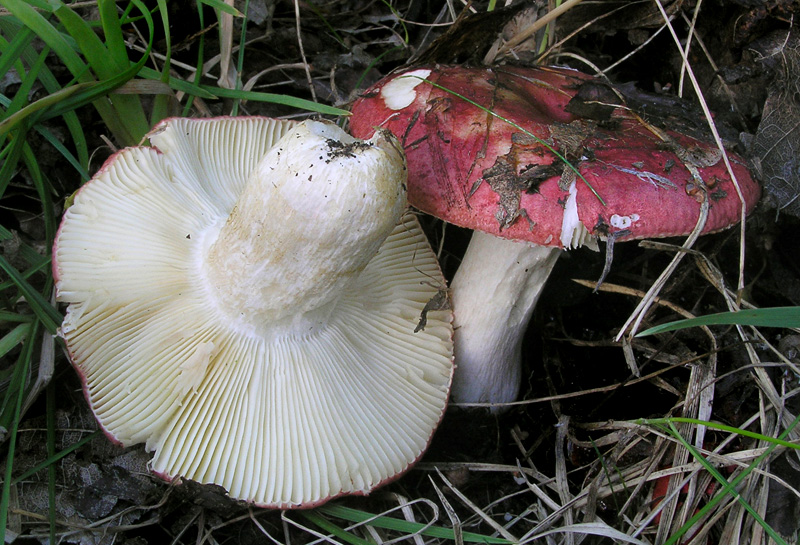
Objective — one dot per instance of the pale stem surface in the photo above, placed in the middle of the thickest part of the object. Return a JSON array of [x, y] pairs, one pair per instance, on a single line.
[[494, 293]]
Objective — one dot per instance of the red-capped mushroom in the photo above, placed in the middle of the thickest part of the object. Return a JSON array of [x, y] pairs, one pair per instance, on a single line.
[[480, 145]]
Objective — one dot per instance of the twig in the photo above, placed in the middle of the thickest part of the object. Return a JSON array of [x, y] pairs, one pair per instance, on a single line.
[[534, 28], [302, 51]]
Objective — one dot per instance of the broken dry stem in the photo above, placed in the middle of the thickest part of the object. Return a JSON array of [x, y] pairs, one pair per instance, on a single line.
[[717, 140], [631, 325], [540, 23]]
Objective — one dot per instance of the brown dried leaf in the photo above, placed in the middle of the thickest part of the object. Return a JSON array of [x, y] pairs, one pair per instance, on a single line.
[[776, 147], [467, 40], [440, 301]]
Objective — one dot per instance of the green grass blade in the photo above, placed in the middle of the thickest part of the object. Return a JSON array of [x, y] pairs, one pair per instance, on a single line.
[[299, 103], [240, 59], [661, 422], [400, 19], [161, 102], [728, 488], [48, 80], [761, 317], [43, 190], [26, 252], [65, 153], [40, 5], [48, 101], [114, 37], [106, 66], [142, 129], [12, 50], [198, 72], [334, 530], [222, 6], [123, 114], [14, 337], [42, 266], [48, 315], [19, 373], [64, 49], [11, 154], [373, 64], [28, 80], [179, 84], [55, 458], [93, 49], [33, 20], [22, 364], [95, 91], [332, 30], [408, 527], [666, 424], [13, 317]]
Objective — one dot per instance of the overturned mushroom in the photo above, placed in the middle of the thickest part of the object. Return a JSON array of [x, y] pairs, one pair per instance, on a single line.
[[243, 297], [493, 169]]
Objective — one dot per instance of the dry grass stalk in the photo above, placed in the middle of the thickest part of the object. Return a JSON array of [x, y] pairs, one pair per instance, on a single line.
[[227, 66]]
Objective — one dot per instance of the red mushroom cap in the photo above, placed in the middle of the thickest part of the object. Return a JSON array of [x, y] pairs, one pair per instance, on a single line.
[[474, 169]]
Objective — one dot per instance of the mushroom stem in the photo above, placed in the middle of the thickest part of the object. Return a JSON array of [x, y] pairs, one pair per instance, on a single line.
[[315, 210], [494, 293]]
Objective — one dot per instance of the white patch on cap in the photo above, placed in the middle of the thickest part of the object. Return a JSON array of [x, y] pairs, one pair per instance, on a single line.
[[399, 93], [623, 222], [573, 232]]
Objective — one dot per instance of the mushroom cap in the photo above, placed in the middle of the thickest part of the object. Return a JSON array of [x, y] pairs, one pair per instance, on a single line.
[[280, 418], [475, 170]]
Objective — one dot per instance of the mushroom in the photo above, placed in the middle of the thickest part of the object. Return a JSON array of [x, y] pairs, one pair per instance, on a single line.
[[243, 297], [480, 145]]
